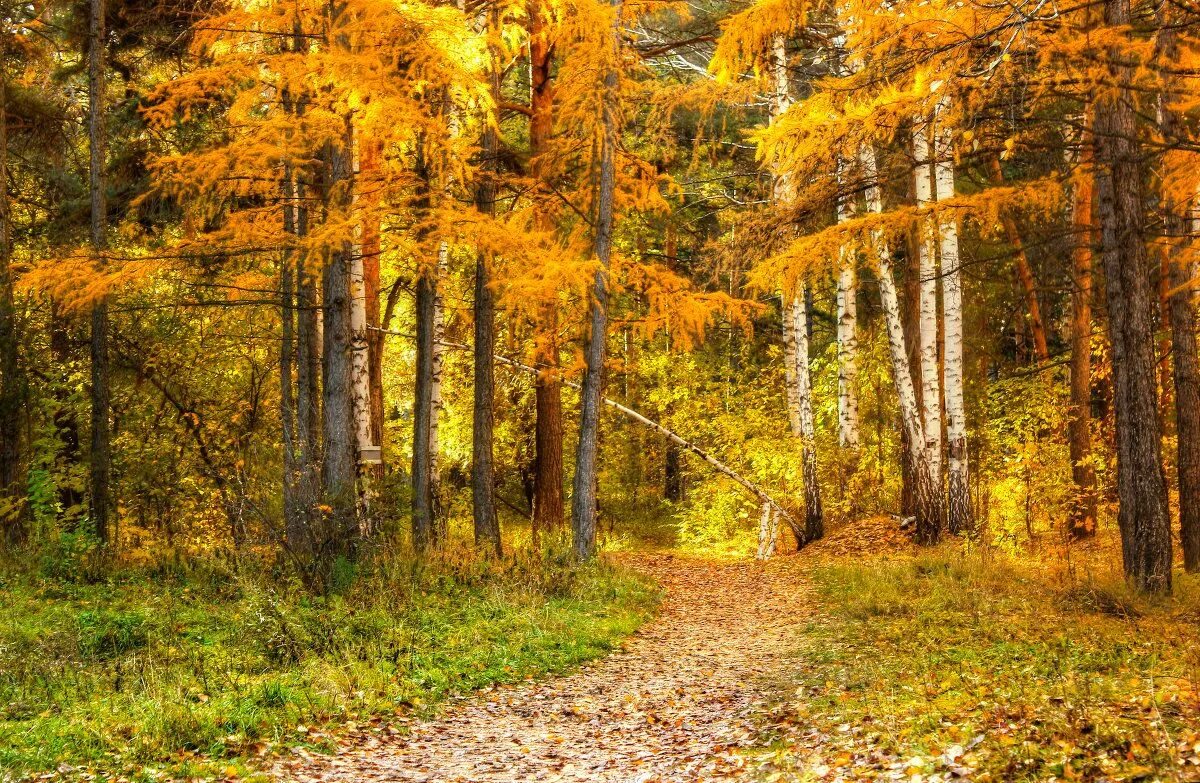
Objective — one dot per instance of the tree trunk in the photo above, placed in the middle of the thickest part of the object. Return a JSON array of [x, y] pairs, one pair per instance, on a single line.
[[308, 388], [423, 412], [814, 515], [1185, 362], [101, 456], [548, 506], [371, 290], [926, 495], [1024, 275], [1141, 488], [11, 385], [71, 502], [360, 361], [931, 392], [340, 429], [583, 501], [483, 470], [1081, 520], [958, 494], [847, 334], [294, 523]]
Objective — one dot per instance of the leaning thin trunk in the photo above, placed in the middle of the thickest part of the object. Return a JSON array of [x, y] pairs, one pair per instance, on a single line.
[[958, 497], [101, 457], [1141, 488], [583, 502]]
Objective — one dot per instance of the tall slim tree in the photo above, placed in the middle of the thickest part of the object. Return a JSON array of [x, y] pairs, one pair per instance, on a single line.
[[583, 501], [1141, 487], [1185, 361], [1082, 516], [11, 386], [958, 496], [931, 389], [483, 467], [548, 505], [101, 456]]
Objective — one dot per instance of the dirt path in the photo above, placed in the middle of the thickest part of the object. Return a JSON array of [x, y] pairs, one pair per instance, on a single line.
[[672, 706]]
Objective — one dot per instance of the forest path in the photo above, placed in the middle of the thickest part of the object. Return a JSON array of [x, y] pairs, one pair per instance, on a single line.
[[673, 704]]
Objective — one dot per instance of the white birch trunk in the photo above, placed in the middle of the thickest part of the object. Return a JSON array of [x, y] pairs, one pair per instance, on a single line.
[[927, 496], [958, 497], [795, 329], [360, 386], [768, 532], [847, 330], [931, 393]]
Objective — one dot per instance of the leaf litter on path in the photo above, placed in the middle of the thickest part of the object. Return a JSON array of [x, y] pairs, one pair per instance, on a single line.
[[675, 704]]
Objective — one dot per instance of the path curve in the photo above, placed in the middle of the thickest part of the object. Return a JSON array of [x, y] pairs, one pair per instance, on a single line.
[[671, 706]]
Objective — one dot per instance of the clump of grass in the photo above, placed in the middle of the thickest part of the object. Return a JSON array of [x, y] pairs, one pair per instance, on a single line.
[[184, 673], [1017, 677]]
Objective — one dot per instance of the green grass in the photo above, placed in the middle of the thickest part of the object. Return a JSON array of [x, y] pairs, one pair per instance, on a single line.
[[921, 665], [201, 674]]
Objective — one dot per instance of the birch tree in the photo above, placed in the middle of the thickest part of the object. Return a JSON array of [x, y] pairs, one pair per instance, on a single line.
[[958, 473], [931, 392]]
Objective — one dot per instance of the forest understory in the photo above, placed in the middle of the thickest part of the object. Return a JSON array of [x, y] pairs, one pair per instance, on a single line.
[[860, 658]]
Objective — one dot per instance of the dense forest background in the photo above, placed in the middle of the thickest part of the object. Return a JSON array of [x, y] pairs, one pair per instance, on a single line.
[[317, 299]]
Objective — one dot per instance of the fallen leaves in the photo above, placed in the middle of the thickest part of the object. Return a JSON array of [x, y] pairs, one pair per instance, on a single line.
[[680, 701]]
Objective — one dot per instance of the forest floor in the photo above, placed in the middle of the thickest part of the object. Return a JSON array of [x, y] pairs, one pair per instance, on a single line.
[[859, 659], [678, 701]]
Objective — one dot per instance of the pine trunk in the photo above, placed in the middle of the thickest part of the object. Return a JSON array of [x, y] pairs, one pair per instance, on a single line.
[[1142, 492], [101, 456]]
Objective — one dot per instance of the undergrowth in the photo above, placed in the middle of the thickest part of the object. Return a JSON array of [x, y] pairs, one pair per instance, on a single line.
[[948, 665], [200, 673]]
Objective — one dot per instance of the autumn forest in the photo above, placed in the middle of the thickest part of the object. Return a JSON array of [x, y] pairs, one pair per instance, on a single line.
[[599, 390]]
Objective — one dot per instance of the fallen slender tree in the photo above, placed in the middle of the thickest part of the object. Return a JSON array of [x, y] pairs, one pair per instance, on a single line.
[[746, 484]]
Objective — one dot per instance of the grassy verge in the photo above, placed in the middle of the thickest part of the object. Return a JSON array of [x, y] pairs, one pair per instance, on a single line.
[[944, 666], [208, 674]]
